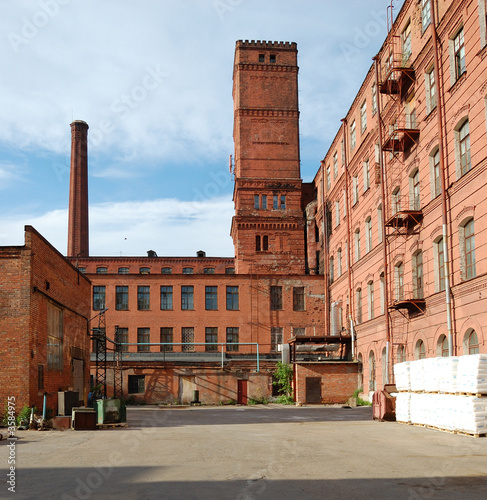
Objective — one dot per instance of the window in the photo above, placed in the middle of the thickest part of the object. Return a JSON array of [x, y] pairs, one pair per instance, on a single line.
[[384, 365], [337, 213], [370, 299], [425, 14], [276, 298], [430, 90], [264, 202], [143, 298], [467, 250], [328, 178], [353, 136], [211, 337], [415, 201], [368, 234], [261, 57], [98, 298], [363, 117], [258, 246], [123, 270], [211, 298], [187, 270], [335, 165], [379, 223], [355, 189], [435, 174], [232, 298], [459, 55], [399, 281], [122, 337], [374, 99], [357, 244], [396, 201], [144, 270], [418, 284], [298, 298], [420, 350], [187, 297], [121, 298], [483, 22], [275, 201], [366, 175], [166, 338], [464, 148], [283, 202], [143, 337], [332, 269], [55, 331], [339, 262], [272, 58], [442, 347], [82, 270], [136, 384], [232, 339], [401, 354], [187, 335], [101, 270], [372, 381], [256, 202], [382, 284], [471, 342], [261, 243], [276, 338], [166, 270], [299, 331], [209, 270], [166, 298], [440, 263], [406, 44], [358, 295], [230, 270]]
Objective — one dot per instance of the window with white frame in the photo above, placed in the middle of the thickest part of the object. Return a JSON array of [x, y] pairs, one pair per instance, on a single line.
[[420, 350], [414, 188], [430, 88], [425, 14], [363, 117], [463, 147], [357, 244], [335, 165], [379, 223], [328, 178], [418, 283], [337, 213], [471, 342], [439, 263], [332, 269], [458, 47], [406, 44], [355, 189], [358, 295], [435, 180], [483, 22], [353, 135], [372, 379], [382, 289], [396, 200], [399, 281], [339, 262], [374, 99], [366, 174], [368, 234], [370, 299], [466, 236]]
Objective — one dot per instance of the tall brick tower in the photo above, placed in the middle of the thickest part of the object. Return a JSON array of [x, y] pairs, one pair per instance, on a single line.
[[78, 191], [268, 226]]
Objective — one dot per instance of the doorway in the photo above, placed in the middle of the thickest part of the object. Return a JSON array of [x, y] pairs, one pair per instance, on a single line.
[[313, 389], [242, 392]]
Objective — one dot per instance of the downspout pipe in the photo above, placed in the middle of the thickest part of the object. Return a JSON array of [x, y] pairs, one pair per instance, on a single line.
[[383, 216], [349, 229], [443, 178], [324, 232]]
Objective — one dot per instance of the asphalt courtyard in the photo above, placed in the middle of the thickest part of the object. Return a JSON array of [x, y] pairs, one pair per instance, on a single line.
[[260, 452]]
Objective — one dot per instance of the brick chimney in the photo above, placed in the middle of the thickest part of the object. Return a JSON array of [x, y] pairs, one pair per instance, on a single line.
[[78, 191]]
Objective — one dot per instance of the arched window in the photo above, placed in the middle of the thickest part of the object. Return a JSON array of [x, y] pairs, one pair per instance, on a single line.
[[471, 342], [359, 305], [384, 366], [396, 200], [382, 293], [339, 262], [370, 299], [357, 245], [401, 354], [442, 347], [399, 280], [360, 359], [435, 182], [418, 284], [466, 236], [372, 381], [414, 188], [368, 234], [420, 350]]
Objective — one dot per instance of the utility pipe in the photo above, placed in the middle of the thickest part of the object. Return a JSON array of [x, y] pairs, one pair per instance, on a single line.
[[439, 115]]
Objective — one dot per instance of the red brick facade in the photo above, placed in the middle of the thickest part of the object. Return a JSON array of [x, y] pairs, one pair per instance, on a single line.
[[35, 279]]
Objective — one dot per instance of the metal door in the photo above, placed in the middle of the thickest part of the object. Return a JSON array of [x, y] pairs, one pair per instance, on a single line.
[[313, 389], [242, 392]]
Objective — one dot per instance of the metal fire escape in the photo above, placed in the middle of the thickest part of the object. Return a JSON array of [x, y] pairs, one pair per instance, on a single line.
[[403, 213]]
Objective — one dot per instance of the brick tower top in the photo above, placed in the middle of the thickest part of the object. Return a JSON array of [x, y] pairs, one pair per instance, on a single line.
[[78, 191]]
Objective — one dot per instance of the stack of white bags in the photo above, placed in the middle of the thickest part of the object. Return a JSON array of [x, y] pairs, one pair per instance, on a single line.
[[429, 393]]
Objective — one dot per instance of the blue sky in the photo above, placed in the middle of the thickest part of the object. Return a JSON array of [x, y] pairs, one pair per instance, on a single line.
[[153, 79]]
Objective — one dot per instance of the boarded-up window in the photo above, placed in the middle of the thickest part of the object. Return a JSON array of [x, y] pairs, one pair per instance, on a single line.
[[54, 337]]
